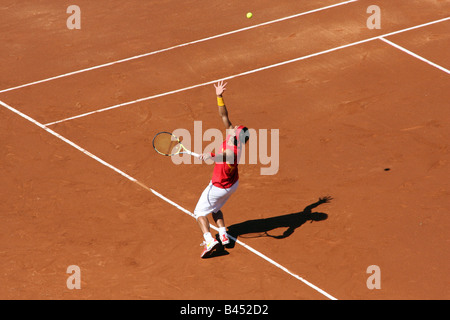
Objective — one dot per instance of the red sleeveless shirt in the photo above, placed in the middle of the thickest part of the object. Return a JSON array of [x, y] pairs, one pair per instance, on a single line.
[[225, 175]]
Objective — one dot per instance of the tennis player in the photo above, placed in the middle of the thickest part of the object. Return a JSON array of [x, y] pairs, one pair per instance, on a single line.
[[224, 180]]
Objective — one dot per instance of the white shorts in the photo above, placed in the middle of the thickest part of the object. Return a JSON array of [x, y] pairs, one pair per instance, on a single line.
[[213, 199]]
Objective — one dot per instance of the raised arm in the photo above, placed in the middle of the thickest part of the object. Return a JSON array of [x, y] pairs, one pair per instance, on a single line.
[[223, 112]]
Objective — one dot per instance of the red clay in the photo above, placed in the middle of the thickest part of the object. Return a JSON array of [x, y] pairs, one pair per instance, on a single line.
[[344, 117]]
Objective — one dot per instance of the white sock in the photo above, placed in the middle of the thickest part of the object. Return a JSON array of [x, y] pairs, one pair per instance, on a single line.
[[208, 237], [223, 231]]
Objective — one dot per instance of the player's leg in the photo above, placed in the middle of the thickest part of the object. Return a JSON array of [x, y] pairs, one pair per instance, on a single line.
[[209, 242], [218, 219], [203, 223], [201, 212], [211, 200]]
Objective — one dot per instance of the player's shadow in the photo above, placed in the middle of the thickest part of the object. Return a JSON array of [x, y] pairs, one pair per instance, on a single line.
[[262, 227]]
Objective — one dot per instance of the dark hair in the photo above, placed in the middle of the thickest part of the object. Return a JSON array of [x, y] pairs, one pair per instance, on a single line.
[[244, 135]]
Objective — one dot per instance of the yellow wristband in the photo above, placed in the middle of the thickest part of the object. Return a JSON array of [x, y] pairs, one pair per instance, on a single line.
[[220, 101]]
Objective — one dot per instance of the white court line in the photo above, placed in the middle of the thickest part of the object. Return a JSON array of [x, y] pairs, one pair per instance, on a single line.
[[248, 72], [161, 196], [178, 46], [415, 55]]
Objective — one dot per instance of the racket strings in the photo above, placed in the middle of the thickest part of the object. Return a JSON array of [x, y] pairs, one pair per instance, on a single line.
[[163, 143]]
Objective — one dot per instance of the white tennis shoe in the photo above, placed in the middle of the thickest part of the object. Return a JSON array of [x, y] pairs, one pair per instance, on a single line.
[[208, 247], [224, 239]]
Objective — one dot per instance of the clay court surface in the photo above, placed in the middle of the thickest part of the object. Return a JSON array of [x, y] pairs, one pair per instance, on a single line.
[[366, 123]]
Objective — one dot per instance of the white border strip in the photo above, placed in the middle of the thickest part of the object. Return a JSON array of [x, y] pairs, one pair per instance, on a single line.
[[160, 196], [178, 46], [248, 72], [415, 55]]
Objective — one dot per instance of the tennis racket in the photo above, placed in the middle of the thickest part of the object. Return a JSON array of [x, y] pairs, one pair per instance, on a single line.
[[167, 144]]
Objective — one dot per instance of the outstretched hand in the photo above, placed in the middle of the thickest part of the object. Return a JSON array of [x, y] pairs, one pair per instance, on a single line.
[[220, 88]]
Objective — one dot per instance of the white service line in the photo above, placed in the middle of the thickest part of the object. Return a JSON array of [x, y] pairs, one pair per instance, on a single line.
[[415, 55], [160, 196], [247, 72], [178, 46]]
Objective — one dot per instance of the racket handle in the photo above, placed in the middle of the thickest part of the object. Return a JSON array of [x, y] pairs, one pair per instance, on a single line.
[[194, 154]]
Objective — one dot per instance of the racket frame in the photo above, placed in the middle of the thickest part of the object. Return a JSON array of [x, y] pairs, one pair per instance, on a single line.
[[182, 149]]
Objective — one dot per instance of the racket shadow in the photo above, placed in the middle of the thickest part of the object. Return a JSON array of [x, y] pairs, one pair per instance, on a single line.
[[261, 227]]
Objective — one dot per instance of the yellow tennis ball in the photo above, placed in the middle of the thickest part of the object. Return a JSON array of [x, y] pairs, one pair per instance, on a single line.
[[249, 15]]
